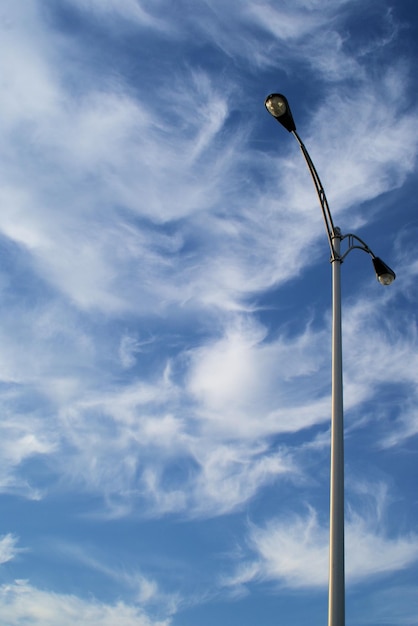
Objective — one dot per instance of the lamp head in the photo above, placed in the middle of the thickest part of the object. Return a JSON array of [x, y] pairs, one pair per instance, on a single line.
[[278, 107], [384, 274]]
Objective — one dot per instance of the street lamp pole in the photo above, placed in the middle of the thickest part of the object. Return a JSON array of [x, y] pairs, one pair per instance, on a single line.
[[278, 106], [336, 595]]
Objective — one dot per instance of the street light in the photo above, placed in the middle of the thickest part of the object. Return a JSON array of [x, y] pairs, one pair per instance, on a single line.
[[278, 106]]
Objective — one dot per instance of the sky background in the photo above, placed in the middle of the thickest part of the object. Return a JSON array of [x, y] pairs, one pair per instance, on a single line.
[[165, 311]]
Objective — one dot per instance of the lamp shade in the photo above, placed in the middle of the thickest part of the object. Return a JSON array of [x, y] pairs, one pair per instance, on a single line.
[[278, 106], [384, 274]]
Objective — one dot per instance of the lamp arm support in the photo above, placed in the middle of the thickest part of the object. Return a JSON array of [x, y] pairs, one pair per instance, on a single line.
[[355, 243], [326, 213]]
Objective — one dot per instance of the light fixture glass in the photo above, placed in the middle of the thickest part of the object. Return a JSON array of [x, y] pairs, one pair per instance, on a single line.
[[277, 105]]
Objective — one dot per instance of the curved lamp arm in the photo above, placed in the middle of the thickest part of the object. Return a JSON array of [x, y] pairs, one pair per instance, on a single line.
[[326, 212], [278, 106]]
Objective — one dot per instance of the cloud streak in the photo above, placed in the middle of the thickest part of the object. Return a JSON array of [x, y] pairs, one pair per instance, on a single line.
[[294, 552], [21, 602]]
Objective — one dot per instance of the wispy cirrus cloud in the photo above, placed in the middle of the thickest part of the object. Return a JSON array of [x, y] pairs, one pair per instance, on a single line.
[[8, 548], [106, 149], [145, 590], [212, 411], [311, 34], [21, 602], [294, 552], [142, 13]]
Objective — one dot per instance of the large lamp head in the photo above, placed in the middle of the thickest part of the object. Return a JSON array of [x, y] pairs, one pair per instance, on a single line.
[[384, 274], [278, 107]]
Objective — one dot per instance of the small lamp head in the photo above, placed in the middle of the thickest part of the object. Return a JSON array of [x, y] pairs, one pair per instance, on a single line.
[[384, 274], [278, 106]]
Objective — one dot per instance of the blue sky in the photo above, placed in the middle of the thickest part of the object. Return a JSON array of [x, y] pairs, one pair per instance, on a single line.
[[165, 311]]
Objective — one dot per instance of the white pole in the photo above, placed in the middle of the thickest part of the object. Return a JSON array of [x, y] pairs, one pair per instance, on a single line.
[[277, 105], [336, 597]]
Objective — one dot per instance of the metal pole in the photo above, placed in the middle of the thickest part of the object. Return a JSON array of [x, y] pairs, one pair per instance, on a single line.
[[336, 596], [336, 592], [277, 105]]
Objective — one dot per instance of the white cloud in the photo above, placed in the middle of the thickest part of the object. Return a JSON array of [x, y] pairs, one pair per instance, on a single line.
[[232, 474], [370, 552], [210, 411], [213, 417], [381, 354], [145, 589], [378, 152], [23, 437], [124, 444], [312, 34], [8, 549], [21, 603], [104, 148], [248, 386], [287, 23], [132, 10], [29, 91], [129, 347], [294, 552]]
